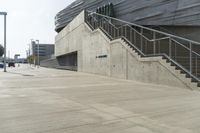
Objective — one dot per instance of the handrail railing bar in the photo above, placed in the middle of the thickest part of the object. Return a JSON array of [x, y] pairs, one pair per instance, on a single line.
[[174, 36], [151, 40], [196, 53], [159, 39], [110, 23], [183, 57], [138, 32], [185, 47], [134, 46], [179, 43]]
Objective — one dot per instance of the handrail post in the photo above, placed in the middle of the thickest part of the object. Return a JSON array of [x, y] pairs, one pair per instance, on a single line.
[[125, 32], [131, 35], [118, 29], [145, 47], [154, 43], [108, 28], [5, 42], [190, 57], [158, 46], [104, 25], [114, 33], [141, 39], [196, 66], [175, 51], [170, 47], [135, 37]]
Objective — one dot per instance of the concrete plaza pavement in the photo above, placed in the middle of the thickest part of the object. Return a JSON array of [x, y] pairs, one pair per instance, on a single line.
[[41, 100]]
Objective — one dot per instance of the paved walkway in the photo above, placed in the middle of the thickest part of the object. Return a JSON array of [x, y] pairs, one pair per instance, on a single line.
[[56, 101]]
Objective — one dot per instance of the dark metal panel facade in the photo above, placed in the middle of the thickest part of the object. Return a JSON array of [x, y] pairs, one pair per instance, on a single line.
[[143, 12]]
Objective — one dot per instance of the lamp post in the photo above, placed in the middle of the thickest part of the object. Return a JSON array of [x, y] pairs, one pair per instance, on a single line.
[[28, 54], [4, 14], [38, 53], [31, 56]]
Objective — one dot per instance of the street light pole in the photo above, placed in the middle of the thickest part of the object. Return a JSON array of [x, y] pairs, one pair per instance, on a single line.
[[4, 14], [5, 42], [31, 53], [38, 53]]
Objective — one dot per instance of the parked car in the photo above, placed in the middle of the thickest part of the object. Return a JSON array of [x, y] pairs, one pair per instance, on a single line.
[[11, 64], [1, 65]]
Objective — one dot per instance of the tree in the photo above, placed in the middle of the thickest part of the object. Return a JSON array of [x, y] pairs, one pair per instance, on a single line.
[[1, 50], [31, 59]]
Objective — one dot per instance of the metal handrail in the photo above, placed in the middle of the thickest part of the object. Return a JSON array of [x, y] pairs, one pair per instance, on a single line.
[[185, 47], [124, 32], [111, 23], [159, 39], [151, 40], [153, 30]]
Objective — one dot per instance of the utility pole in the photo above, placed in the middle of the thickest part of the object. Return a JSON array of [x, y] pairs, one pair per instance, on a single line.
[[28, 54], [8, 56]]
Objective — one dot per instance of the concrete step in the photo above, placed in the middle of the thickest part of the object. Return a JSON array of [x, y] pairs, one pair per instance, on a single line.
[[182, 71]]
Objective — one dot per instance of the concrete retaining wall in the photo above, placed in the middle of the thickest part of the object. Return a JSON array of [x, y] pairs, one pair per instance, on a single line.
[[96, 54]]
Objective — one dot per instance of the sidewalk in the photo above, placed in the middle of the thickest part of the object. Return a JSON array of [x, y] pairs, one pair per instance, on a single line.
[[42, 100]]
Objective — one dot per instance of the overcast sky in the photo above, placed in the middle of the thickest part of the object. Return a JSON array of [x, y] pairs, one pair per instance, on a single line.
[[29, 19]]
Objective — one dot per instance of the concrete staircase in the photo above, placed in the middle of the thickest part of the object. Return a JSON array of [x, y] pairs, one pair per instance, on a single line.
[[165, 62], [177, 62]]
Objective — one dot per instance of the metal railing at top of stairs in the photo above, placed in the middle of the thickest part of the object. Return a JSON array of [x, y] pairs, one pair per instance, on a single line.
[[182, 52]]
